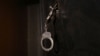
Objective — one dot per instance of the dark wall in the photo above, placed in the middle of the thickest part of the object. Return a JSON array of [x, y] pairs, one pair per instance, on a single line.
[[13, 28]]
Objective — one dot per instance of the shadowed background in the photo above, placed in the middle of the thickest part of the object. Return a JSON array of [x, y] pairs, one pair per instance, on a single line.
[[13, 27]]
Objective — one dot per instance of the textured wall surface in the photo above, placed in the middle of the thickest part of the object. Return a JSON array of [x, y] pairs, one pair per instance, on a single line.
[[76, 32]]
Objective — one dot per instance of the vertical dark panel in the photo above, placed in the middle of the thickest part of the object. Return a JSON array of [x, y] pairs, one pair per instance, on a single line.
[[34, 30]]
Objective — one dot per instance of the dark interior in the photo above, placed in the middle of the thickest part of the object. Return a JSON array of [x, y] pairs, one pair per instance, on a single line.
[[14, 27], [75, 31]]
